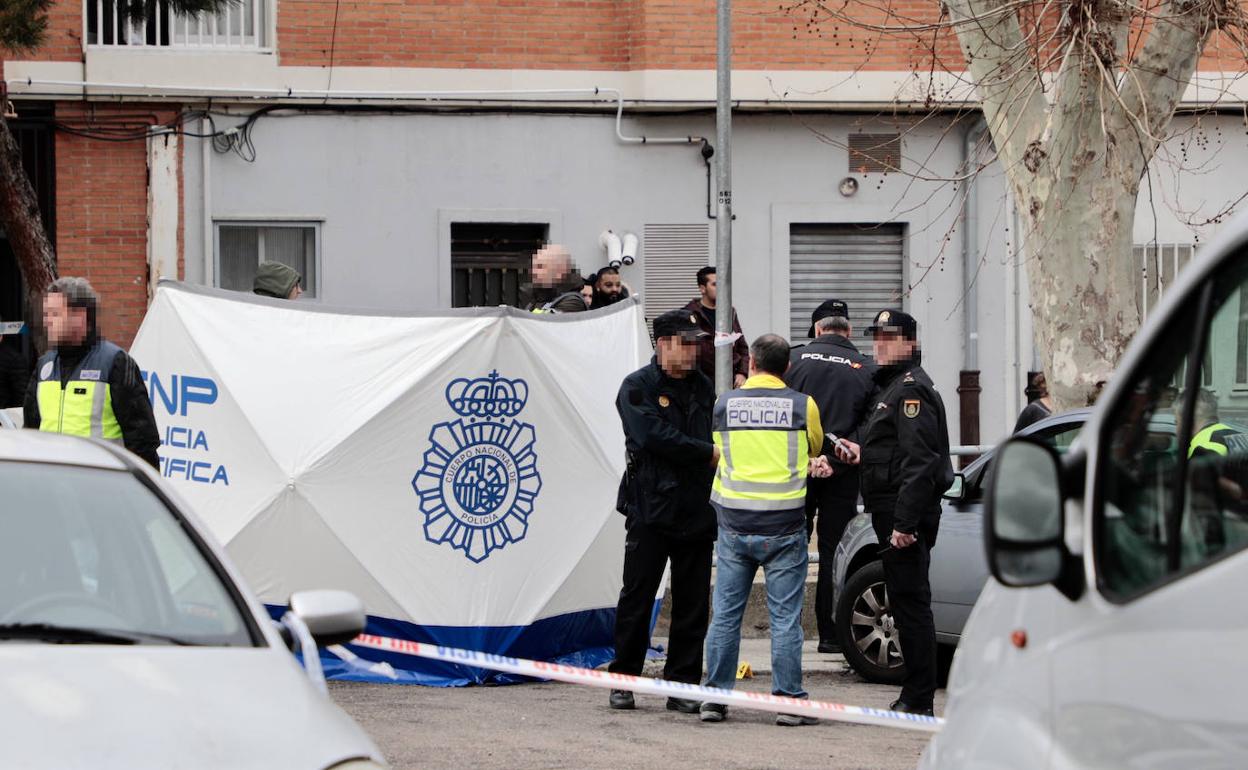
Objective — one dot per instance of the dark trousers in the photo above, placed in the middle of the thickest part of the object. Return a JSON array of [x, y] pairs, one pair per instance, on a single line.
[[646, 551], [910, 596], [830, 505]]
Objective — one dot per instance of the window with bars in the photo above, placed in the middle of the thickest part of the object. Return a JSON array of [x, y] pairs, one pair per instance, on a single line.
[[1160, 264], [490, 262], [242, 246], [241, 25]]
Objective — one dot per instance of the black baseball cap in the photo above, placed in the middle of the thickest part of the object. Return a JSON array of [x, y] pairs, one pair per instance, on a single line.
[[827, 309], [677, 323], [897, 321]]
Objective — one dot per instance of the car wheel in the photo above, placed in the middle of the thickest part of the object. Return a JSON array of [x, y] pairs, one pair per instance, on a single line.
[[864, 623]]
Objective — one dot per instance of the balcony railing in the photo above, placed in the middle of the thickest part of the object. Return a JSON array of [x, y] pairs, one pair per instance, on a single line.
[[241, 26]]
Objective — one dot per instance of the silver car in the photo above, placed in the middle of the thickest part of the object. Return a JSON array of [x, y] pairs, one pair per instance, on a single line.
[[128, 641], [959, 570]]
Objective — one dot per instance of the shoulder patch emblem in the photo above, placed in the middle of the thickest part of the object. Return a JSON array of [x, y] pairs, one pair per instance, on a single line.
[[693, 319], [664, 401], [910, 408]]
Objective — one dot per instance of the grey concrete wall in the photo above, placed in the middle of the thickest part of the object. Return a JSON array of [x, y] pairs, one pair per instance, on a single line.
[[386, 188]]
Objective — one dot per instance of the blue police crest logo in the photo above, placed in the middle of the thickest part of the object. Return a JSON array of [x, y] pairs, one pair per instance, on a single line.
[[480, 477]]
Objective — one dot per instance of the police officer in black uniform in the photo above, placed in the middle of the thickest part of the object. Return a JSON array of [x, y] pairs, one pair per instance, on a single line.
[[666, 409], [905, 469], [839, 378]]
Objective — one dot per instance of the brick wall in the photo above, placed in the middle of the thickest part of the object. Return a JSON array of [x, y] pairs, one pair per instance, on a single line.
[[594, 35], [101, 209], [588, 35]]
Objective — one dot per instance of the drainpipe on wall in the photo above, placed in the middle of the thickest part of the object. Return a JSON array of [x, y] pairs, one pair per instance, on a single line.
[[968, 379]]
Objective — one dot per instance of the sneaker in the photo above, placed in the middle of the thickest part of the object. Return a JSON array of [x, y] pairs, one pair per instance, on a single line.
[[793, 720], [622, 699], [683, 705], [713, 712]]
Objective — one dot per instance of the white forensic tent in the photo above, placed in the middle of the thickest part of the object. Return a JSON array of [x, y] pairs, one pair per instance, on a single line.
[[455, 470]]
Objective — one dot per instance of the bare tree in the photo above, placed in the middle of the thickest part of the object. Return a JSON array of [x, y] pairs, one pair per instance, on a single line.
[[1078, 95], [23, 28]]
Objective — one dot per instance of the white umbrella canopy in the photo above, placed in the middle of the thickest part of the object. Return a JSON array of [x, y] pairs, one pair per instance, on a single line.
[[457, 471]]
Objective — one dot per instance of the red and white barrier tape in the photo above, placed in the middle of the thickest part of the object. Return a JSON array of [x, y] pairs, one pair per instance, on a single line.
[[608, 681]]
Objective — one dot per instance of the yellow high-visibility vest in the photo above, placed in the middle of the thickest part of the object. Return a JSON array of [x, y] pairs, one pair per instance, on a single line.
[[764, 450], [84, 405], [1206, 440]]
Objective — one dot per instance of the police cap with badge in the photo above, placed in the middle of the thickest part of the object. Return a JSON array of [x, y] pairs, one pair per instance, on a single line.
[[895, 321], [827, 309], [678, 323]]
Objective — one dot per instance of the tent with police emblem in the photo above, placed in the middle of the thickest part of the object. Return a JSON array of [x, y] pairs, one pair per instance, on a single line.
[[455, 470]]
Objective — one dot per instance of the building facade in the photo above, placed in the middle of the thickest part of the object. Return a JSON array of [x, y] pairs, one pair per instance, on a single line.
[[410, 155]]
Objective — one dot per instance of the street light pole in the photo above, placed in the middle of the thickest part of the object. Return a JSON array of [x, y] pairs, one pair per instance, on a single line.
[[723, 181]]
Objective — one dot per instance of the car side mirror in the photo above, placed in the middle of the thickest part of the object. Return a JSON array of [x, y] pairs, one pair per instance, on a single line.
[[1025, 532], [332, 617], [956, 490]]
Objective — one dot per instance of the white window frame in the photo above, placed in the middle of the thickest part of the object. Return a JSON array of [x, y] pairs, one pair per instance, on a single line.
[[301, 222], [207, 44]]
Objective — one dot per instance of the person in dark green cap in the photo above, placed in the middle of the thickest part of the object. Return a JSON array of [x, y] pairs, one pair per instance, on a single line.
[[275, 279]]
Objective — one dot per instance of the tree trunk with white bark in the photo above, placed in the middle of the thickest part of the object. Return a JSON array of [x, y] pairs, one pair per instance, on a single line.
[[1075, 145]]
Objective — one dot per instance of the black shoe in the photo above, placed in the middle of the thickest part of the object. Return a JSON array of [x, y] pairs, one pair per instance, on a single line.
[[622, 699], [829, 647], [713, 712], [683, 705], [905, 708]]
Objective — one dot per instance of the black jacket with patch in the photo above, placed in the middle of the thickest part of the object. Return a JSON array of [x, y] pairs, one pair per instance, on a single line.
[[905, 452], [840, 379], [667, 433]]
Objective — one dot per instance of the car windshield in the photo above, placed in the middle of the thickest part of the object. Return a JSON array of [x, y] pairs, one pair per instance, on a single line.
[[91, 555]]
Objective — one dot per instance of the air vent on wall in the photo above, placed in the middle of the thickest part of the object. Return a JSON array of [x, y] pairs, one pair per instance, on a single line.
[[874, 153], [673, 255]]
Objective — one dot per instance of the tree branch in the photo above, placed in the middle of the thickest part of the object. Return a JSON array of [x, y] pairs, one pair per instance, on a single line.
[[1154, 82], [1006, 76]]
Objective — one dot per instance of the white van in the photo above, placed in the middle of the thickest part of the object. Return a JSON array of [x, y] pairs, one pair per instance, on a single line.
[[1115, 630]]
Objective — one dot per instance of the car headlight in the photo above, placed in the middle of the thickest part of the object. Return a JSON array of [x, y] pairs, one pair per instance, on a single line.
[[357, 764]]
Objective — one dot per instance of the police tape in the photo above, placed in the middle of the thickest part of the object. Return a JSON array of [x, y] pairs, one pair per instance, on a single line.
[[606, 680]]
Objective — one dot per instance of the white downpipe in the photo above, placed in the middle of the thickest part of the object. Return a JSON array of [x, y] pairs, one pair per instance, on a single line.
[[611, 242], [166, 91], [205, 154], [1014, 375], [629, 248]]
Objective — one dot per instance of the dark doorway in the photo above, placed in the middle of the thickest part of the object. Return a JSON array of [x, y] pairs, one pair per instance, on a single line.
[[490, 261], [33, 132]]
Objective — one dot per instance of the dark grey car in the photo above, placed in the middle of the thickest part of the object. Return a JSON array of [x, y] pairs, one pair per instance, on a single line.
[[863, 621]]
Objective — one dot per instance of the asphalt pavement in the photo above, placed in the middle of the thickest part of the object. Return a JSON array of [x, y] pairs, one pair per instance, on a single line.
[[554, 725]]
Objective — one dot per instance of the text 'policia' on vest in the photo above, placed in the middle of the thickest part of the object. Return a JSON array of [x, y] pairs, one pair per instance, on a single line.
[[761, 435]]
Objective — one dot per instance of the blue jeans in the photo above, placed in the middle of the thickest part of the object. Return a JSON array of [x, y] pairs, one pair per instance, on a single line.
[[783, 559]]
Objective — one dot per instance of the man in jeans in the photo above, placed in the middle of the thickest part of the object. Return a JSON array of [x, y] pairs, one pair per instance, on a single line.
[[770, 438]]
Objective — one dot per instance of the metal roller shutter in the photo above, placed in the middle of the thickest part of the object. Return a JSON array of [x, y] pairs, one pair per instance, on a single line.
[[673, 256], [858, 264]]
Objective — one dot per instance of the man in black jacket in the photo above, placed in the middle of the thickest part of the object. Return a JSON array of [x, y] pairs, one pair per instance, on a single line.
[[839, 378], [85, 385], [556, 283], [665, 408], [905, 470]]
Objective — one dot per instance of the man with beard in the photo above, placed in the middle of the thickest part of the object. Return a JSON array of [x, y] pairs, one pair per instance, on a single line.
[[608, 289]]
